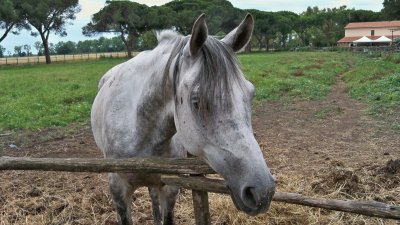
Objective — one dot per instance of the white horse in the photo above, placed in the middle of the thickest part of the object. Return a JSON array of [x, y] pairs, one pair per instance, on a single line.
[[186, 95]]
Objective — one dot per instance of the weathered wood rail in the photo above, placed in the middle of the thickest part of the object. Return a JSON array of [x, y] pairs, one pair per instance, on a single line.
[[100, 165], [178, 169]]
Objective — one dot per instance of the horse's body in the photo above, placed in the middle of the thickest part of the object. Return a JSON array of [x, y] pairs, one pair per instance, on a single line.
[[187, 94]]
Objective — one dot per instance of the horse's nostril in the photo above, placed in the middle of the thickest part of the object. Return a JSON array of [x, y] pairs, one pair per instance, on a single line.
[[250, 197]]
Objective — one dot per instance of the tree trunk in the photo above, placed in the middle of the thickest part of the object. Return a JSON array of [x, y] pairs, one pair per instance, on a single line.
[[8, 29], [259, 41], [129, 50], [267, 38], [46, 49], [131, 43], [128, 45]]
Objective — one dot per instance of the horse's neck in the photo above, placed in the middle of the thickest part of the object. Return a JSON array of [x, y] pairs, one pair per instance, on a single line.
[[155, 111]]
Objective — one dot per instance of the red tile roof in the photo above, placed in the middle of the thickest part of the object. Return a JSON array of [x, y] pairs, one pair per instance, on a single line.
[[351, 39], [395, 23]]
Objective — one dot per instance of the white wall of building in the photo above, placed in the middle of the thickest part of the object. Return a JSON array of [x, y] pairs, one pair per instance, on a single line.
[[354, 32]]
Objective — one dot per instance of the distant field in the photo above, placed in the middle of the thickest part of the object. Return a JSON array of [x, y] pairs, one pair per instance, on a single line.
[[61, 58], [301, 75], [377, 83], [37, 96]]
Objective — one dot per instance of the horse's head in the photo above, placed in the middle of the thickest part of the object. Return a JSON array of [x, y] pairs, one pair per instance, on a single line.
[[213, 113]]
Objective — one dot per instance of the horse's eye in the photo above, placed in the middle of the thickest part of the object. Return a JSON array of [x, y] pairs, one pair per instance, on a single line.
[[195, 103], [194, 98]]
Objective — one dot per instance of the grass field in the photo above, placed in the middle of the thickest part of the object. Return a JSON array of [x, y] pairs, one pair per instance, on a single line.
[[377, 82], [288, 76], [38, 96]]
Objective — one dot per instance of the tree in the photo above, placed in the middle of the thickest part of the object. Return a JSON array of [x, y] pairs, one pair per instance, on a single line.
[[391, 9], [102, 44], [264, 27], [39, 47], [10, 18], [323, 27], [18, 50], [160, 17], [48, 16], [2, 51], [27, 49], [148, 40], [127, 19], [361, 15], [63, 48], [86, 46], [315, 35], [52, 49], [222, 17], [285, 22]]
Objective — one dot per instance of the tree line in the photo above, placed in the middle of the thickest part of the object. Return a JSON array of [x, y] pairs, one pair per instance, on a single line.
[[279, 30], [101, 44], [133, 23], [40, 17]]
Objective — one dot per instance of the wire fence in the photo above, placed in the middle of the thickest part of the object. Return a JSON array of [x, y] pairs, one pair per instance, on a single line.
[[369, 49], [61, 58], [94, 56]]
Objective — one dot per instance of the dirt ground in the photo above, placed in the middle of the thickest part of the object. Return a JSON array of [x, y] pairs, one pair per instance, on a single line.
[[329, 148]]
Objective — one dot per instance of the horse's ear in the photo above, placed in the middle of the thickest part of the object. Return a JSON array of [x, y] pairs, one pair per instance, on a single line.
[[199, 34], [241, 35]]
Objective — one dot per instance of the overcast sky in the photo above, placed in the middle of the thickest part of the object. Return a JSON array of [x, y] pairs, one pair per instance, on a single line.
[[89, 7]]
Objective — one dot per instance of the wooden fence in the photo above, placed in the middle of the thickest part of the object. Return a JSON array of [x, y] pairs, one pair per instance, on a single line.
[[188, 173], [61, 58]]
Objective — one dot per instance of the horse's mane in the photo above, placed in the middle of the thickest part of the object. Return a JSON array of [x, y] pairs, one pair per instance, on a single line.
[[219, 71]]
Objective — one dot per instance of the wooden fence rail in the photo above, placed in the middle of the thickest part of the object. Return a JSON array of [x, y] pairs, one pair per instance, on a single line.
[[100, 165], [178, 169]]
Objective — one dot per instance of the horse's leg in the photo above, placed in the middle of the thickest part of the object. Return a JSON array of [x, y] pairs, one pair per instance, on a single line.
[[168, 195], [121, 192], [155, 205]]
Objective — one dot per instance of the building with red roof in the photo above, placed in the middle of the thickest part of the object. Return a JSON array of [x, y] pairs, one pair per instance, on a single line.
[[372, 30]]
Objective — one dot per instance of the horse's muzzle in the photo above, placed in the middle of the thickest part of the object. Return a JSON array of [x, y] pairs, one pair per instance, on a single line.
[[254, 200]]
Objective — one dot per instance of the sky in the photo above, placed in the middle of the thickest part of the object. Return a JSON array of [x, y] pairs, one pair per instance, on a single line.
[[89, 7]]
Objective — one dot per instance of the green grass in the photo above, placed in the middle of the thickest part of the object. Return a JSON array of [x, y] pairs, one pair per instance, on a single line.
[[287, 76], [36, 96], [39, 96], [376, 81]]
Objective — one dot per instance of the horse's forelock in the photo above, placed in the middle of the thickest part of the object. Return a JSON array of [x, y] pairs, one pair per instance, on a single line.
[[217, 76]]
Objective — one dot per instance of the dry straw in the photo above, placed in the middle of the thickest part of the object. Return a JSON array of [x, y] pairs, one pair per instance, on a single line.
[[83, 198]]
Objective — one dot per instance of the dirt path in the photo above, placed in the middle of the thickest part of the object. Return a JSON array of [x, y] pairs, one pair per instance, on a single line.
[[303, 137]]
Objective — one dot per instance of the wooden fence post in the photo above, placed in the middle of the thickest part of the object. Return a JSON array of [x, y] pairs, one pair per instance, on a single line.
[[201, 207]]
